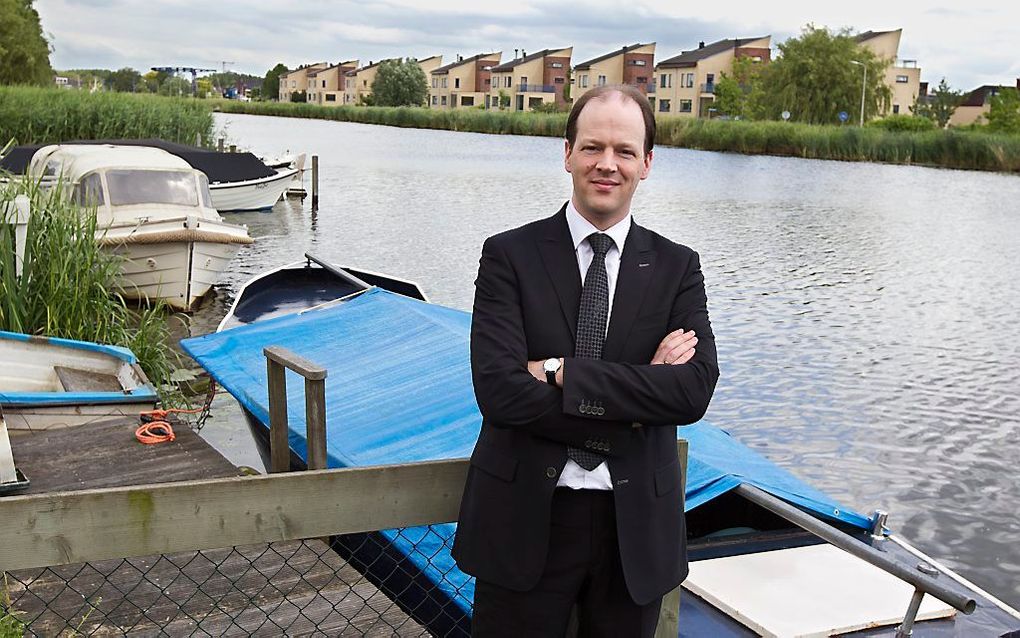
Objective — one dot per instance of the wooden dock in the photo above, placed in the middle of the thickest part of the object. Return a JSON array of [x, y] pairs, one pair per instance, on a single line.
[[269, 589]]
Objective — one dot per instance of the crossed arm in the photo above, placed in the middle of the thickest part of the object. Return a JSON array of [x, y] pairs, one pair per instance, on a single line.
[[673, 388]]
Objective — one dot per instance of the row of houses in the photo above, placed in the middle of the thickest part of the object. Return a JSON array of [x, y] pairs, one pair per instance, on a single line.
[[681, 85]]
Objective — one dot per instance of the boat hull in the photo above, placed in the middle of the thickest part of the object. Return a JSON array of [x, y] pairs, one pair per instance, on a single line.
[[48, 383], [176, 261], [258, 194]]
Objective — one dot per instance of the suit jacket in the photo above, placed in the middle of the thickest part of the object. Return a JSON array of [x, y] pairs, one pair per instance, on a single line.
[[526, 302]]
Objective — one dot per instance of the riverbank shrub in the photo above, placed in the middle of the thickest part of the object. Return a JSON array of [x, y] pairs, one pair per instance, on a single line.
[[948, 149], [66, 288], [48, 115]]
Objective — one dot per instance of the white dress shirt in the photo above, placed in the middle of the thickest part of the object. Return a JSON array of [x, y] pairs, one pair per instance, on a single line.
[[573, 475]]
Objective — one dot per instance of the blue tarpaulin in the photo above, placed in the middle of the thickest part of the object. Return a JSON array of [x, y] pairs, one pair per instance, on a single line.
[[399, 390]]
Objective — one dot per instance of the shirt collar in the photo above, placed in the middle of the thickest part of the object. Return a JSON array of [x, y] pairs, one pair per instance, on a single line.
[[580, 228]]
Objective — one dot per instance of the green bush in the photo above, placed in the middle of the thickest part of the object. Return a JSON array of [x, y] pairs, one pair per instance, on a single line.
[[48, 115]]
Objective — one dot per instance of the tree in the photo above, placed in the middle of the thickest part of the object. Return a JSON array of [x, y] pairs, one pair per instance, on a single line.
[[1004, 111], [271, 85], [151, 82], [814, 79], [738, 94], [940, 106], [175, 86], [125, 80], [399, 83], [24, 51]]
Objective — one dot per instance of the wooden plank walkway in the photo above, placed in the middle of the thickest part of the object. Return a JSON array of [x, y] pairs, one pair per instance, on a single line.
[[285, 588]]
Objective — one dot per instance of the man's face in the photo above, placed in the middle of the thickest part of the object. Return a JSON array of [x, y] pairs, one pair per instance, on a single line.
[[607, 159]]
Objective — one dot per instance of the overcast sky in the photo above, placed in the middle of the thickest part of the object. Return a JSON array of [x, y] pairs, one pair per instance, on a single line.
[[970, 43]]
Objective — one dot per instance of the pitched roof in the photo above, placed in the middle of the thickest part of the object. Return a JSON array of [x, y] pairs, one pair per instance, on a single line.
[[868, 35], [691, 58], [588, 63], [509, 66], [980, 95], [444, 70]]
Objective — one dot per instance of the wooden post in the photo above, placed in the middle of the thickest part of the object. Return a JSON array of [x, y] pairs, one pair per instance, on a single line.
[[315, 420], [198, 140], [669, 612], [279, 441], [219, 145], [22, 214], [315, 182], [277, 361]]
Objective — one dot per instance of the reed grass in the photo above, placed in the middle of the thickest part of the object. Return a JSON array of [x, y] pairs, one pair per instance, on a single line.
[[66, 288], [47, 115], [973, 150]]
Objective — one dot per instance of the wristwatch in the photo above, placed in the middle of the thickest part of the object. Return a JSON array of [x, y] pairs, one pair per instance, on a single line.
[[551, 367]]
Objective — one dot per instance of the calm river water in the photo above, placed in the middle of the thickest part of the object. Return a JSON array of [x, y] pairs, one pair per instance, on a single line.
[[866, 315]]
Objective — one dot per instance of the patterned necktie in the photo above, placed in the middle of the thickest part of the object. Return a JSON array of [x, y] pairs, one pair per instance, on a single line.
[[591, 325]]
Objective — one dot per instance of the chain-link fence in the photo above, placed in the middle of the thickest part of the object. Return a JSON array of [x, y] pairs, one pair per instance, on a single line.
[[394, 583]]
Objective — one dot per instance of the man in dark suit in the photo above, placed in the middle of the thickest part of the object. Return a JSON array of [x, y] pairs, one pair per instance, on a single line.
[[590, 343]]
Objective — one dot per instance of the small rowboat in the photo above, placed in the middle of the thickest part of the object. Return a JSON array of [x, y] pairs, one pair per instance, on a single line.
[[49, 383]]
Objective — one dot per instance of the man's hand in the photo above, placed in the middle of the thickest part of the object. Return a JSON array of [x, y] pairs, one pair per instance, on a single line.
[[676, 348]]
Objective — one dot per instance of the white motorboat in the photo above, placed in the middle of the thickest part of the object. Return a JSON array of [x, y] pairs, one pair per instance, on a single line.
[[152, 208], [260, 193]]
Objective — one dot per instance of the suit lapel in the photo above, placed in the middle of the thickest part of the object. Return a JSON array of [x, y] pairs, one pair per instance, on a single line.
[[560, 260], [637, 264]]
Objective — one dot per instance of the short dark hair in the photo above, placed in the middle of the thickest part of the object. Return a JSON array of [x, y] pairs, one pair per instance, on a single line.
[[625, 90]]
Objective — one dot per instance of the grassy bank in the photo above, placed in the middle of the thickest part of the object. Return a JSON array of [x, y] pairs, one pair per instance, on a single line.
[[65, 287], [947, 149], [42, 116]]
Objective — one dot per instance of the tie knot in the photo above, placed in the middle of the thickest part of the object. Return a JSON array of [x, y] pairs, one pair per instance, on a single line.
[[600, 243]]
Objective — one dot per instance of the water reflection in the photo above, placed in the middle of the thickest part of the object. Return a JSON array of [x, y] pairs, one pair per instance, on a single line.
[[865, 314]]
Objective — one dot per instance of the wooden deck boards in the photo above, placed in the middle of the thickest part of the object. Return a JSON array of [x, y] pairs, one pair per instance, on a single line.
[[289, 588]]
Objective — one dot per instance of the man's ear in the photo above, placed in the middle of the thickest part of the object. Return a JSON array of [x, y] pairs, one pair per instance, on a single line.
[[647, 164], [566, 155]]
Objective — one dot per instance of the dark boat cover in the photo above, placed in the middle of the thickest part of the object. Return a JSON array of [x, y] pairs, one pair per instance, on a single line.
[[218, 167]]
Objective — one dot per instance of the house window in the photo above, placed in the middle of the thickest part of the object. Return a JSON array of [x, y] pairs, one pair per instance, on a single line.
[[488, 81], [602, 80], [895, 108], [663, 106], [584, 81], [456, 83], [902, 79], [323, 84], [435, 100], [435, 82], [665, 81], [686, 80], [442, 101], [642, 80], [685, 106], [445, 82], [507, 81], [467, 100], [331, 97], [556, 65], [637, 62], [557, 80]]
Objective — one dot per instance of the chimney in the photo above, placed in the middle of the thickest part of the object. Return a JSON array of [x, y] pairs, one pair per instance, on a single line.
[[460, 58], [515, 54], [701, 45], [523, 54]]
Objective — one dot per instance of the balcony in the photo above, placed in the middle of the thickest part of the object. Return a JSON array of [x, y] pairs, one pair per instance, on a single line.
[[708, 87], [536, 88]]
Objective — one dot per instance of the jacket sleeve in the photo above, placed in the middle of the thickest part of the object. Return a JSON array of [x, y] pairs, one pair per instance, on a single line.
[[507, 394], [651, 394]]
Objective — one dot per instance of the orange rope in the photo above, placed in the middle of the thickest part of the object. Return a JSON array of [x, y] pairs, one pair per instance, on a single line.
[[155, 432]]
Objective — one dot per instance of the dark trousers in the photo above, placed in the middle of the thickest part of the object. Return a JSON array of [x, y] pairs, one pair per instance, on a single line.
[[583, 568]]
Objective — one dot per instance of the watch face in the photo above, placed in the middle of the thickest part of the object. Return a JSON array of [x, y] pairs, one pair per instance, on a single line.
[[551, 365]]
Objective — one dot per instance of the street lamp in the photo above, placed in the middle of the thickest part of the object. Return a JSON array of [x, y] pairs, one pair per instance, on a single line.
[[864, 84]]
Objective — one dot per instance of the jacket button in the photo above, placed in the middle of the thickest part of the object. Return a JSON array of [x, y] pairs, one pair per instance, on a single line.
[[583, 409], [550, 472], [601, 411]]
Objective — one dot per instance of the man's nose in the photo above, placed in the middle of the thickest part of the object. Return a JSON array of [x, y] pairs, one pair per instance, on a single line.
[[606, 161]]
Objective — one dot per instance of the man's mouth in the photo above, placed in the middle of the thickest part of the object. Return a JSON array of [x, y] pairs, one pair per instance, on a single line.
[[604, 184]]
